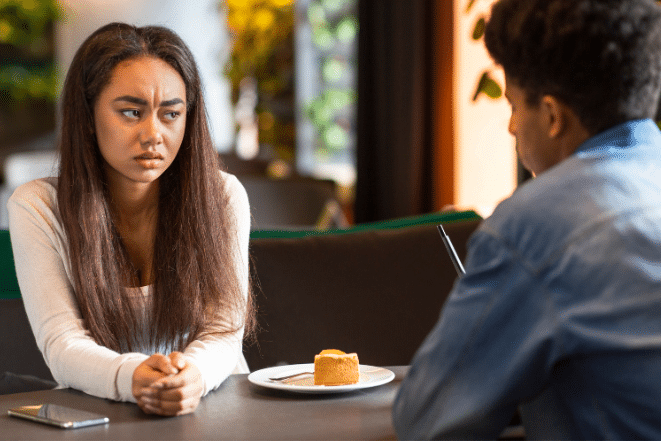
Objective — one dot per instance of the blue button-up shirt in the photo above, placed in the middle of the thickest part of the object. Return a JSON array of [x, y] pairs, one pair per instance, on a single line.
[[559, 312]]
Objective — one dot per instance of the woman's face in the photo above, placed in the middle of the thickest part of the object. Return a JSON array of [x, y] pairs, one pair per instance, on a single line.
[[140, 120]]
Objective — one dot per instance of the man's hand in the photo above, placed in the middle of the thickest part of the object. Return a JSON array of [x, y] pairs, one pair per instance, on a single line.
[[175, 389]]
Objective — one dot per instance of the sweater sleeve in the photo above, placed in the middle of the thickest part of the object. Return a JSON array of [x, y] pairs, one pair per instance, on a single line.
[[219, 355], [40, 253]]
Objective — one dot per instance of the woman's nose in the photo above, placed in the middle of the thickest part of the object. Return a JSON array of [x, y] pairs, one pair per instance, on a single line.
[[151, 133]]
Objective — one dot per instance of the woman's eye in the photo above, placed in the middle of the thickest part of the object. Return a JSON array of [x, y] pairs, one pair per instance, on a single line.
[[131, 113], [172, 115]]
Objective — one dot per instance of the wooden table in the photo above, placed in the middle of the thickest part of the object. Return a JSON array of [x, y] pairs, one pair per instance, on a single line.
[[237, 410]]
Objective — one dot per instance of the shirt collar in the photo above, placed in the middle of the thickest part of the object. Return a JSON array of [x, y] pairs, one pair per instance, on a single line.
[[630, 133]]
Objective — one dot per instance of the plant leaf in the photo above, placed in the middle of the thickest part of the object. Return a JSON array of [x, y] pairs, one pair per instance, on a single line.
[[492, 89], [469, 6], [488, 86], [478, 32]]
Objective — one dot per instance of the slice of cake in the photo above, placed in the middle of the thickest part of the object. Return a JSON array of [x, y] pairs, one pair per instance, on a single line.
[[334, 368]]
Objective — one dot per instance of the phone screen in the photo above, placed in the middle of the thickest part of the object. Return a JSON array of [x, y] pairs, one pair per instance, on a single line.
[[60, 416]]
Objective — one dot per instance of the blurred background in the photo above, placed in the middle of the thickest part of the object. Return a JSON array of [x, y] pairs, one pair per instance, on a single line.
[[331, 112]]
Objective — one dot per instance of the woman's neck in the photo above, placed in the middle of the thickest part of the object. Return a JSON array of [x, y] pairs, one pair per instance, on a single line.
[[135, 211], [134, 203]]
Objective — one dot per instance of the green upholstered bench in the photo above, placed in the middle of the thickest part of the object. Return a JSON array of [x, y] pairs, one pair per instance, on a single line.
[[403, 222], [8, 283]]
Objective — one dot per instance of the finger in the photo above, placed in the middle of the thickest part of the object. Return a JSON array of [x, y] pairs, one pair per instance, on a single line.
[[162, 364], [181, 407], [149, 406], [169, 382], [183, 386], [143, 377], [178, 360], [168, 408], [163, 385], [175, 395], [187, 375], [175, 401], [148, 392], [146, 375]]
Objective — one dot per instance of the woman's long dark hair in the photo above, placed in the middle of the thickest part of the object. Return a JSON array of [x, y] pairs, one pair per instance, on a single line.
[[196, 280]]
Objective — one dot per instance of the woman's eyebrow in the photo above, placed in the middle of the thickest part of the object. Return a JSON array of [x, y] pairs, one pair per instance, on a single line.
[[141, 102], [171, 102], [131, 99]]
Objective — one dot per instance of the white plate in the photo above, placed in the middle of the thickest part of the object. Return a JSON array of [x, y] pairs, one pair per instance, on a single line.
[[370, 376]]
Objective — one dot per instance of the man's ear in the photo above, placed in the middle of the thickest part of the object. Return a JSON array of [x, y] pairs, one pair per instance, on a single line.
[[553, 113]]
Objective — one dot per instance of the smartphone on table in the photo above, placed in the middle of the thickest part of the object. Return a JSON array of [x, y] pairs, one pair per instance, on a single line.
[[60, 416]]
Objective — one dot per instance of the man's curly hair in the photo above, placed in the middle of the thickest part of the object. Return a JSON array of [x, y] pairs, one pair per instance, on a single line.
[[602, 58]]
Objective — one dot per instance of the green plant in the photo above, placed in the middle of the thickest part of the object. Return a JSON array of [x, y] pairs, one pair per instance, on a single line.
[[486, 84], [262, 50], [334, 26], [27, 71]]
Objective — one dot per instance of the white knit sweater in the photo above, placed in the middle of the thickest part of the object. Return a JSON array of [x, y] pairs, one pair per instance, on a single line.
[[74, 358]]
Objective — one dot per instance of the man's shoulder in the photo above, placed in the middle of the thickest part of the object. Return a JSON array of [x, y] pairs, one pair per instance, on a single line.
[[578, 195], [530, 223], [539, 201]]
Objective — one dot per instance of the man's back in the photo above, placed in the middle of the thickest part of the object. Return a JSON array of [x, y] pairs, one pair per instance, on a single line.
[[559, 312], [590, 232], [560, 307]]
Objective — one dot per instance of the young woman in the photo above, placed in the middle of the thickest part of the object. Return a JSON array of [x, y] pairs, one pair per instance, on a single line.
[[133, 262]]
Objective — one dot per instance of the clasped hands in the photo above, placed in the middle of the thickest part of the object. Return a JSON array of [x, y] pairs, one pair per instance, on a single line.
[[167, 385]]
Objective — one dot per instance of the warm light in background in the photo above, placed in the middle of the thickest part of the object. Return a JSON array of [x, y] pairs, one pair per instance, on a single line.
[[485, 159], [260, 70]]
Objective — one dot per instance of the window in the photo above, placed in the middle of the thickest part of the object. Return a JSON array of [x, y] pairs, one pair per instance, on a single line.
[[326, 35]]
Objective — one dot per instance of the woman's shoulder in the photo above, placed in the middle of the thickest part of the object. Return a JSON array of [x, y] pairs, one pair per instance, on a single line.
[[237, 197], [230, 181], [233, 186], [41, 191], [35, 201]]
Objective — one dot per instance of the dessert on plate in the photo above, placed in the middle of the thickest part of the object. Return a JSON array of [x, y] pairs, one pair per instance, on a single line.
[[334, 368]]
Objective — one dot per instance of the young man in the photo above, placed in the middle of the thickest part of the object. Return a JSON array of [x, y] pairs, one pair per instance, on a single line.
[[559, 312]]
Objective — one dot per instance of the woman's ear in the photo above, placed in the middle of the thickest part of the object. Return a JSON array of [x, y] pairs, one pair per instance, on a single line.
[[554, 115]]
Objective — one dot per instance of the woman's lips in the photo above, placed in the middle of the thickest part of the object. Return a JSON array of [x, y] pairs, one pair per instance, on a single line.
[[149, 160]]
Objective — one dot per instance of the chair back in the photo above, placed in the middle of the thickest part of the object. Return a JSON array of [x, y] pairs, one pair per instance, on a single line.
[[292, 203], [376, 292]]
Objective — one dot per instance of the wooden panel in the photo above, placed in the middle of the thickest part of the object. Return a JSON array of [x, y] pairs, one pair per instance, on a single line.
[[442, 130]]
